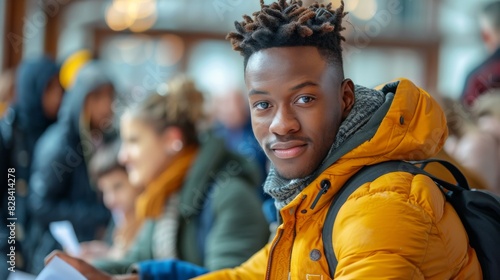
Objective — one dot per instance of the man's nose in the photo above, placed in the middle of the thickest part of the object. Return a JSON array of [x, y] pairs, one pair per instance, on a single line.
[[284, 122]]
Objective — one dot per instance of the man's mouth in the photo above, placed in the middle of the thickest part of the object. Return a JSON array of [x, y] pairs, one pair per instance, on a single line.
[[288, 150]]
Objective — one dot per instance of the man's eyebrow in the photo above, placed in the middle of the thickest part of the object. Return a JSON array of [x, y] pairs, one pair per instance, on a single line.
[[299, 86], [304, 84], [254, 91]]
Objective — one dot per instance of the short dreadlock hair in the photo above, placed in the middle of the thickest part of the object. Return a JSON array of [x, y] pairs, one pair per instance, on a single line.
[[283, 24]]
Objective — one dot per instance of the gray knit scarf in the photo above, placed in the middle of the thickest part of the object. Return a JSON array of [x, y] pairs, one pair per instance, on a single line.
[[367, 101]]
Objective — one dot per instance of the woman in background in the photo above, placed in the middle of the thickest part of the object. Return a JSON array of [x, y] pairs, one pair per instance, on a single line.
[[200, 201], [119, 196]]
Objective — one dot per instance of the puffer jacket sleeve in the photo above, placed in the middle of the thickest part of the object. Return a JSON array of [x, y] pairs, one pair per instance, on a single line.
[[253, 269], [239, 228], [386, 230]]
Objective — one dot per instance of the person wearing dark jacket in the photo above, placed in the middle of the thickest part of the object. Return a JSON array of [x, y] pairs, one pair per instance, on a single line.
[[486, 76], [39, 96], [200, 200], [59, 183]]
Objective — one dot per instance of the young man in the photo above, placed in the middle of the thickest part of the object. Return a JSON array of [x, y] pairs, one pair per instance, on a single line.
[[319, 129], [487, 75]]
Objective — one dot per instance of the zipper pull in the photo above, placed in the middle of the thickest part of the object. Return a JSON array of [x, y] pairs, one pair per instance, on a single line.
[[325, 185]]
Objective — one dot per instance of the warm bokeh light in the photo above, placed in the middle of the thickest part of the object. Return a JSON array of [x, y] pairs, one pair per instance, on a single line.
[[140, 9], [349, 5], [137, 15], [143, 24], [364, 11], [117, 20]]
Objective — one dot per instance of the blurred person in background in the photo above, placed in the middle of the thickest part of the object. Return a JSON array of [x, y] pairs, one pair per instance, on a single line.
[[37, 102], [473, 149], [200, 200], [60, 188], [7, 90], [119, 197], [487, 74], [233, 124], [487, 111]]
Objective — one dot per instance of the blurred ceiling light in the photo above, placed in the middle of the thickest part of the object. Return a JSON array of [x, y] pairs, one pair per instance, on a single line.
[[141, 8], [137, 15], [143, 24], [364, 11], [121, 5], [169, 50], [116, 20], [349, 5]]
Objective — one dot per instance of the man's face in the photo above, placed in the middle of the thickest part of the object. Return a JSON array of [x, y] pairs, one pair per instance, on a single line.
[[297, 102], [52, 98], [98, 106]]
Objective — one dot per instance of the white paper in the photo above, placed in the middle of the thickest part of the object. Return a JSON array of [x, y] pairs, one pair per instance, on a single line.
[[64, 233], [58, 269], [19, 275]]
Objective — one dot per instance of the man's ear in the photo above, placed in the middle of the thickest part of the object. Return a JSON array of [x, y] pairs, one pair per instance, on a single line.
[[347, 95]]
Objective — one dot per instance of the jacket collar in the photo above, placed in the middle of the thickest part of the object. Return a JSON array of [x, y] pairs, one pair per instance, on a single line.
[[409, 126]]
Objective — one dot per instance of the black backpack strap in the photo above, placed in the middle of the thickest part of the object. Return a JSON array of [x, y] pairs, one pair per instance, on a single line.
[[366, 174], [457, 174]]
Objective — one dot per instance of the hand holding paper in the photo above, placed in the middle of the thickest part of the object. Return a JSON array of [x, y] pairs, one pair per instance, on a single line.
[[64, 233], [81, 267], [58, 269]]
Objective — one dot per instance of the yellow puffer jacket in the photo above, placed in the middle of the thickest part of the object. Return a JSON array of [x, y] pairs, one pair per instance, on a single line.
[[396, 227]]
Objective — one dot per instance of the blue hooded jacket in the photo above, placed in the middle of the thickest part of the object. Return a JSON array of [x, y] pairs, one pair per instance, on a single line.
[[33, 77], [25, 121], [60, 185], [20, 129]]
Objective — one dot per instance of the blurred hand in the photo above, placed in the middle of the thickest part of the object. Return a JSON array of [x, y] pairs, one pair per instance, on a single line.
[[93, 250], [86, 269]]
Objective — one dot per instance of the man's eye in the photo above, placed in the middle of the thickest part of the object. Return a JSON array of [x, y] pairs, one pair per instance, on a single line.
[[261, 105], [305, 99]]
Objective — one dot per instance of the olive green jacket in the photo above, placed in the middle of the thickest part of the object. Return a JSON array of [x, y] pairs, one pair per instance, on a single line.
[[221, 223]]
